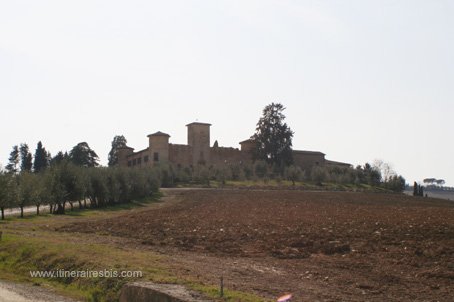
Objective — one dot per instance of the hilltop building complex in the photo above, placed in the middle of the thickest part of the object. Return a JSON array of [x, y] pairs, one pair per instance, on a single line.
[[199, 151]]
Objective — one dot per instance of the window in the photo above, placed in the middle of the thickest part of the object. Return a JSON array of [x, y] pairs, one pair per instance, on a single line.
[[129, 163], [145, 159], [156, 156], [139, 160], [134, 161]]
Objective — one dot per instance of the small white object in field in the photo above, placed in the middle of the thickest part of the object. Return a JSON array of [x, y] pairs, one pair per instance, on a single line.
[[285, 298]]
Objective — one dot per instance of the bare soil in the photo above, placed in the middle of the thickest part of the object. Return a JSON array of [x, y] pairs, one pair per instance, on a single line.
[[320, 246]]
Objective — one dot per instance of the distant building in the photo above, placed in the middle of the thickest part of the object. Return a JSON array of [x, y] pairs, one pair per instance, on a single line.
[[199, 151]]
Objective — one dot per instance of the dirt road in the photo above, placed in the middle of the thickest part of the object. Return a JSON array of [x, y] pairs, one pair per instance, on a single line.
[[13, 292]]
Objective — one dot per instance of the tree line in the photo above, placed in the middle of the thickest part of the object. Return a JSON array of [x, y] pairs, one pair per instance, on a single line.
[[21, 159], [66, 183], [367, 174], [69, 178]]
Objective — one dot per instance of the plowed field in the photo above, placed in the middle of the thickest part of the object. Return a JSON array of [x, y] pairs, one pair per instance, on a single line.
[[320, 246]]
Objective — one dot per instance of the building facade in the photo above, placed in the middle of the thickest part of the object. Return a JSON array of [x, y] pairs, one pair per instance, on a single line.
[[199, 151]]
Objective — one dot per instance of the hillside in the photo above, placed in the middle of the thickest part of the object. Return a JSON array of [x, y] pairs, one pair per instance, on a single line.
[[317, 245]]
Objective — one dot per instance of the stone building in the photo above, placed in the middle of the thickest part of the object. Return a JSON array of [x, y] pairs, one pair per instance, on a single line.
[[199, 151]]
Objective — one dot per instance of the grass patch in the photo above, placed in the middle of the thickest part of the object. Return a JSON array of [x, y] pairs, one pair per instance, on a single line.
[[285, 184], [19, 255], [300, 185], [117, 207], [84, 212]]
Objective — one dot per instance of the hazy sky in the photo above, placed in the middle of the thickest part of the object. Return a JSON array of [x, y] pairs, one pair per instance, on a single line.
[[361, 80]]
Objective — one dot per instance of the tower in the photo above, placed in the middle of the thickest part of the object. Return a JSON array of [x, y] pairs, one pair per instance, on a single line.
[[122, 155], [199, 140], [159, 147]]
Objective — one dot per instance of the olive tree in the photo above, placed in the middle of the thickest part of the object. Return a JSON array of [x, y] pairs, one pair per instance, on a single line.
[[5, 198], [293, 173]]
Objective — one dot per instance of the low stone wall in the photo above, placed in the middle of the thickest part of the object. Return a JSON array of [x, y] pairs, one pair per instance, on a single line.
[[153, 292]]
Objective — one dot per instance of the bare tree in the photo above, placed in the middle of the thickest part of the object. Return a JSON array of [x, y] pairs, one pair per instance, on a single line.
[[385, 169]]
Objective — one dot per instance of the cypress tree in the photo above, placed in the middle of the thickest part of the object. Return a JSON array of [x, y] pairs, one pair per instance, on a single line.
[[41, 158], [13, 160], [25, 158], [117, 142], [59, 158]]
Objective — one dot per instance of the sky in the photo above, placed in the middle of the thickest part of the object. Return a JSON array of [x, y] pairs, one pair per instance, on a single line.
[[360, 80]]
